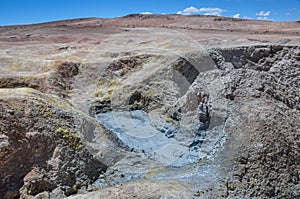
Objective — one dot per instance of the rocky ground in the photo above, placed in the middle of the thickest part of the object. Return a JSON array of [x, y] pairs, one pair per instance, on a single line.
[[150, 106]]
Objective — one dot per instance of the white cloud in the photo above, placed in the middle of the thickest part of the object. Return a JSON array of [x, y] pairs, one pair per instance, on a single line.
[[262, 18], [237, 15], [263, 14], [146, 13], [211, 11], [204, 11], [190, 10]]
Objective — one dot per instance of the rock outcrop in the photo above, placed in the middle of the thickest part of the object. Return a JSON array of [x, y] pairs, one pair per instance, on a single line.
[[40, 144]]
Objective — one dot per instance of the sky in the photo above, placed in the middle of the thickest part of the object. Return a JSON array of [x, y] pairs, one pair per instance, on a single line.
[[13, 12]]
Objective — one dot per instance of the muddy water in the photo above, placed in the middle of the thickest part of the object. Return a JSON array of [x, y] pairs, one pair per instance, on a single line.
[[144, 134], [150, 136]]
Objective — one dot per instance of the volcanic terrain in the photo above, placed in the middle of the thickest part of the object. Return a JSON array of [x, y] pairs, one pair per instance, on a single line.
[[150, 106]]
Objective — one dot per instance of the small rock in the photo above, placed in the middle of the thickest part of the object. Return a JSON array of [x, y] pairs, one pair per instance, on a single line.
[[10, 111]]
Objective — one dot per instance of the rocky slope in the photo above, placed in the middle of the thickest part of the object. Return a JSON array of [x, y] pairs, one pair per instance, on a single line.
[[150, 106]]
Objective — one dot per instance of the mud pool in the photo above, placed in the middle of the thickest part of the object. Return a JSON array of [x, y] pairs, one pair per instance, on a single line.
[[144, 133]]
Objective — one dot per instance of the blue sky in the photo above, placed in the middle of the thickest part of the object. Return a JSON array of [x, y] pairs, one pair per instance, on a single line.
[[35, 11]]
